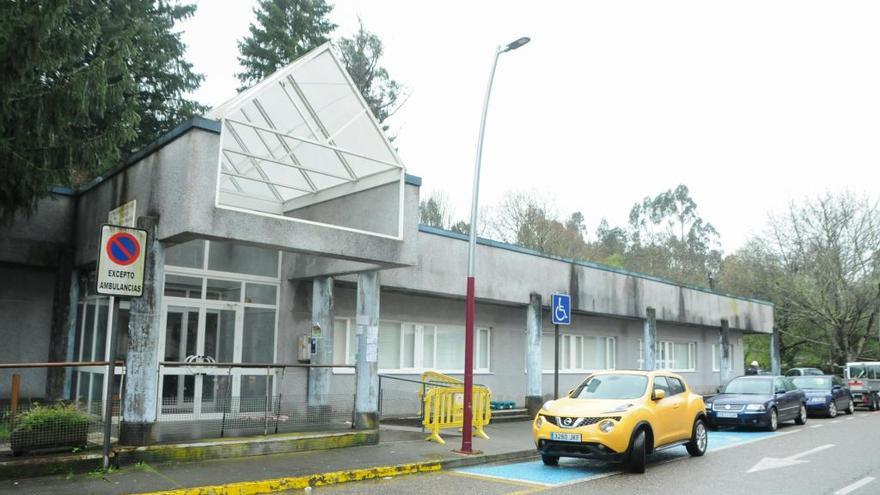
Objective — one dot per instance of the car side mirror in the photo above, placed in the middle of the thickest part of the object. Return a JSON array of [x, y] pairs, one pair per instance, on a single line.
[[780, 391], [836, 387], [569, 392], [659, 394]]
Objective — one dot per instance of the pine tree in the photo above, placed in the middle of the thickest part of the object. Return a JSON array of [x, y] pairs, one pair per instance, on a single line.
[[284, 31], [361, 55], [81, 84]]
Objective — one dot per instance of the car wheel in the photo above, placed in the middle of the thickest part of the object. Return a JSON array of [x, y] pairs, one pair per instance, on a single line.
[[637, 453], [774, 420], [699, 439], [550, 460], [801, 418], [832, 410], [850, 408]]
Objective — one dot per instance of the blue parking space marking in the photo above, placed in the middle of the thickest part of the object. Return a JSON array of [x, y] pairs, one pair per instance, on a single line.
[[579, 470]]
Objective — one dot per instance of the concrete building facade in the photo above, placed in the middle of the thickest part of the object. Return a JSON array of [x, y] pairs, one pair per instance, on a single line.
[[319, 257]]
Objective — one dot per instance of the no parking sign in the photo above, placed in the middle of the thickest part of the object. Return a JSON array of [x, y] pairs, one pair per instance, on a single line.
[[121, 261]]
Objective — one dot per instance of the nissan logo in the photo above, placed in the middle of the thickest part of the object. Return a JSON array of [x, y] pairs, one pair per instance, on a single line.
[[567, 421]]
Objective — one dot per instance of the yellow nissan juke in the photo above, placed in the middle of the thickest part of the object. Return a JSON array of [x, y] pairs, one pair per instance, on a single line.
[[622, 416]]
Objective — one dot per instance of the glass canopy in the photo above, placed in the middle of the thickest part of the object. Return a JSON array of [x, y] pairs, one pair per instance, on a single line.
[[302, 136]]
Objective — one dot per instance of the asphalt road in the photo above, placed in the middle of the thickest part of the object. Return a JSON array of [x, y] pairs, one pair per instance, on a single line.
[[826, 456]]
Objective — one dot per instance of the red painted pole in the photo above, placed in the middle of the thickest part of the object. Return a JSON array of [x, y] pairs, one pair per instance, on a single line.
[[467, 424]]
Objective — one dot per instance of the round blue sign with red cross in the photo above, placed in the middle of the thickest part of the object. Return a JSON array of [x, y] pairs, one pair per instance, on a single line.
[[123, 248]]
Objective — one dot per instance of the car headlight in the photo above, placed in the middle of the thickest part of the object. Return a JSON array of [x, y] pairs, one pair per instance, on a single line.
[[709, 406], [606, 426], [620, 408], [547, 405], [539, 422], [755, 407]]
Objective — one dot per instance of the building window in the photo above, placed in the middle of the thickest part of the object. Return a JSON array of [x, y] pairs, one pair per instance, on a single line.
[[415, 347], [579, 353], [674, 356], [716, 356]]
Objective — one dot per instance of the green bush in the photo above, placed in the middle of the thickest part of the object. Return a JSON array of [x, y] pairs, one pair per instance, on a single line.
[[56, 416]]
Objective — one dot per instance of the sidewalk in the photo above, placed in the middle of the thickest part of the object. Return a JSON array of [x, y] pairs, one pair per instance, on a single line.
[[401, 450]]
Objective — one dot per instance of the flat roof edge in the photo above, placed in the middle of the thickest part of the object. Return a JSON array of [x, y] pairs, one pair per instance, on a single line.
[[196, 122], [413, 180], [589, 264]]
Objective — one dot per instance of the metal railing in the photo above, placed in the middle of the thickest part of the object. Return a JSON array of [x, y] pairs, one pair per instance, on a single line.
[[35, 426]]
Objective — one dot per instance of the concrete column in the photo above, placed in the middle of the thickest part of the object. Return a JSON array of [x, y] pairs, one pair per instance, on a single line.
[[649, 340], [724, 341], [534, 366], [775, 358], [70, 355], [322, 327], [366, 400], [142, 360], [58, 335]]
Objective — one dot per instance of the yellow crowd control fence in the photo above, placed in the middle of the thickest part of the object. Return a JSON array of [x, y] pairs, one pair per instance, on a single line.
[[443, 399]]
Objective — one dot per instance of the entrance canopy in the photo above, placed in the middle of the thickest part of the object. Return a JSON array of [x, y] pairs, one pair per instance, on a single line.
[[303, 137]]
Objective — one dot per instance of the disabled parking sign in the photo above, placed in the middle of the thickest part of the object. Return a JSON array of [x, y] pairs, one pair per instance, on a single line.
[[121, 261], [561, 309]]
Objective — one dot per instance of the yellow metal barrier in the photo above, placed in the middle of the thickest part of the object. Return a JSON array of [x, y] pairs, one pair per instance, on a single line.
[[444, 407]]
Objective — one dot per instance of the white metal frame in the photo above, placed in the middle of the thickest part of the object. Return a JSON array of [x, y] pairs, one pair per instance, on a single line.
[[665, 356], [203, 305], [716, 363], [234, 118], [608, 342], [418, 348]]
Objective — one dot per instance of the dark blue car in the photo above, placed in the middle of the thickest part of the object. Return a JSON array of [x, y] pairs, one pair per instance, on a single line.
[[826, 395], [760, 401]]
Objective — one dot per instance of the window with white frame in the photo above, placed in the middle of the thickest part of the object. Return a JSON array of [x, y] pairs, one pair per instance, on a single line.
[[716, 356], [407, 346], [675, 356], [579, 352]]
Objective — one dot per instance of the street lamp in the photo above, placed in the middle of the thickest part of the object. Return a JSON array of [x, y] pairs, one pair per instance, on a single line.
[[467, 426]]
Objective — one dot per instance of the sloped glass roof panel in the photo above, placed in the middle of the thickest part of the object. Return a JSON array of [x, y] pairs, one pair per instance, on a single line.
[[298, 133]]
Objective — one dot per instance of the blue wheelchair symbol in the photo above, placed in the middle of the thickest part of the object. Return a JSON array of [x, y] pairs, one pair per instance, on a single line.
[[561, 305]]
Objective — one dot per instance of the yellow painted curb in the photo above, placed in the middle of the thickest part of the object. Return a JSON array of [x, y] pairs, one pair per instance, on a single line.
[[294, 483]]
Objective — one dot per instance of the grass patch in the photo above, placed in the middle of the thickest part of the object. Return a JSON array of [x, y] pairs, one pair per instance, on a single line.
[[4, 432]]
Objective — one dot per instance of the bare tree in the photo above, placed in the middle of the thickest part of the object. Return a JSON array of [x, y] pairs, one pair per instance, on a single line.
[[435, 211], [829, 250]]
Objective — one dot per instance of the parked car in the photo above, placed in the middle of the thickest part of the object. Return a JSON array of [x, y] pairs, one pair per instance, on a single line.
[[826, 394], [864, 383], [622, 416], [762, 401], [804, 372]]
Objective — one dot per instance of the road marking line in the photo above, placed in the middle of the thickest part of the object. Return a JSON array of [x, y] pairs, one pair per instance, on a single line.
[[811, 451], [855, 486], [515, 482], [817, 426], [849, 418], [834, 421]]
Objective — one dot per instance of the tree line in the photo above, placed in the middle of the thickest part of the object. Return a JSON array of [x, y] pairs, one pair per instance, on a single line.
[[84, 83], [818, 262]]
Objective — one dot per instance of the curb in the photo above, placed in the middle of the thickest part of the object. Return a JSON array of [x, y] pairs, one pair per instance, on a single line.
[[277, 485]]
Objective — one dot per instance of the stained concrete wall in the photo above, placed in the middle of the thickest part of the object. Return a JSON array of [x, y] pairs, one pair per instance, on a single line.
[[26, 295], [38, 239], [382, 203], [177, 184], [506, 377], [507, 274]]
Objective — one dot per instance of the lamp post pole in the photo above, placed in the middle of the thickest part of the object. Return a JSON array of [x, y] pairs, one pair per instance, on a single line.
[[467, 426]]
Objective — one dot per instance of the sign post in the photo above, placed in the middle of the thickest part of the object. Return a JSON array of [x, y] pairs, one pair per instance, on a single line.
[[560, 309], [120, 273]]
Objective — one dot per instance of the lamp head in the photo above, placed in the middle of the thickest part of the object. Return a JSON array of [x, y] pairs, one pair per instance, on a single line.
[[513, 45]]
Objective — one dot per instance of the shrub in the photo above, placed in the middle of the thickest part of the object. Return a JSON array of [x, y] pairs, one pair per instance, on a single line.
[[58, 416]]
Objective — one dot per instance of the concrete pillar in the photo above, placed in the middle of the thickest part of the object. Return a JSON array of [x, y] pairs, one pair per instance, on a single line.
[[649, 340], [775, 359], [58, 334], [534, 366], [322, 328], [366, 400], [70, 355], [142, 360], [724, 351]]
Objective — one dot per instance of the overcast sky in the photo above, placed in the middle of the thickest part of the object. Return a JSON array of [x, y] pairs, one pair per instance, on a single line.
[[751, 104]]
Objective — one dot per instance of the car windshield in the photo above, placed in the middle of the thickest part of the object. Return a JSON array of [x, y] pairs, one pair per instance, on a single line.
[[748, 386], [612, 387], [813, 382]]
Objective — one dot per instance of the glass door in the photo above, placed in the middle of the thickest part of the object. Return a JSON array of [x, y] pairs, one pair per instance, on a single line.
[[181, 333]]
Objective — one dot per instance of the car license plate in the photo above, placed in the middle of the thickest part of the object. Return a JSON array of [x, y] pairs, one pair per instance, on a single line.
[[565, 437], [727, 414]]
